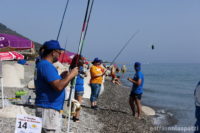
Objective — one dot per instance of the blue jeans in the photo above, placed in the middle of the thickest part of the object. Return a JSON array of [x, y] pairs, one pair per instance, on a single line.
[[197, 115], [95, 90]]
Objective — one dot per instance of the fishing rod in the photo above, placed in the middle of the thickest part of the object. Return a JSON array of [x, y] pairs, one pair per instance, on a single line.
[[81, 41], [80, 48], [125, 45], [83, 32], [62, 19], [88, 20]]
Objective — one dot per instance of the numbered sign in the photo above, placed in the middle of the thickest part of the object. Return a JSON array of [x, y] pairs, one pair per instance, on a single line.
[[28, 124]]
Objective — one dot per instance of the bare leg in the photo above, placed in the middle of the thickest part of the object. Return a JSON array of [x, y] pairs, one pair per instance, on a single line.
[[93, 103], [139, 107], [131, 103], [118, 83], [79, 98]]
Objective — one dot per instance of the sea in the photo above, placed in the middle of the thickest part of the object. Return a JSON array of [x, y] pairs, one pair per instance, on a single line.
[[169, 88]]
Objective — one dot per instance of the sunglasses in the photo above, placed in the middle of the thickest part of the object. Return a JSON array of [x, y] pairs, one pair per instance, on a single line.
[[59, 52]]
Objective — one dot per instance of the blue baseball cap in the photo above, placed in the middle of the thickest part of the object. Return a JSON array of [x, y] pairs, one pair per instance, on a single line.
[[137, 66], [97, 60], [52, 45]]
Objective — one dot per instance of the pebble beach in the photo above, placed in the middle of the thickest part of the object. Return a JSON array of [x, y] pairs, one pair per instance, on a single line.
[[113, 115]]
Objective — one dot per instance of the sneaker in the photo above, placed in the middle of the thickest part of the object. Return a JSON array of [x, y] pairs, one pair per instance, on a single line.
[[75, 119], [94, 107]]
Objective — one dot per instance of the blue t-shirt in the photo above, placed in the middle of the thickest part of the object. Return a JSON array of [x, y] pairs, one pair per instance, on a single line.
[[138, 89], [79, 82], [46, 95]]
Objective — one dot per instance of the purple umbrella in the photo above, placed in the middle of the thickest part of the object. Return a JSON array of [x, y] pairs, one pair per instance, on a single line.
[[12, 42]]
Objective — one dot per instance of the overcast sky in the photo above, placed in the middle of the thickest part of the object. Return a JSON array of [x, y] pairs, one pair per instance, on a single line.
[[173, 26]]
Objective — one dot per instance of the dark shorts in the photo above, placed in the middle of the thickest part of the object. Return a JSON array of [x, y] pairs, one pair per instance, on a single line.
[[137, 96], [79, 93]]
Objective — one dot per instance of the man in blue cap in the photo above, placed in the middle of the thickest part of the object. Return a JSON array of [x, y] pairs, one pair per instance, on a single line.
[[50, 93], [137, 90]]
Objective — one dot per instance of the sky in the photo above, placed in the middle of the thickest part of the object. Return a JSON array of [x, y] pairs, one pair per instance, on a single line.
[[172, 26]]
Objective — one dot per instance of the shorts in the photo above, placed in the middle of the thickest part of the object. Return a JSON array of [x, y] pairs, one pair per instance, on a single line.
[[51, 119], [137, 96], [79, 93]]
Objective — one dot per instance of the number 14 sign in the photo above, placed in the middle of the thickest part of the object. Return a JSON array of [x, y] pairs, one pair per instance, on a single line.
[[28, 124]]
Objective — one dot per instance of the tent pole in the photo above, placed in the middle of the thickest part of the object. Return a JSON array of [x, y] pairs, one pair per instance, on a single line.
[[2, 93], [1, 76]]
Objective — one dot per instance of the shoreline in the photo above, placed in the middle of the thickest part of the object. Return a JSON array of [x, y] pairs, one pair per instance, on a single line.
[[162, 117]]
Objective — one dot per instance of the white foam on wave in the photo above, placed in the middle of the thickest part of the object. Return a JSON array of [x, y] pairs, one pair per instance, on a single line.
[[159, 119]]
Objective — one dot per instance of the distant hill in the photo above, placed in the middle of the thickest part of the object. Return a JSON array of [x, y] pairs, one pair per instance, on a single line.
[[4, 29]]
